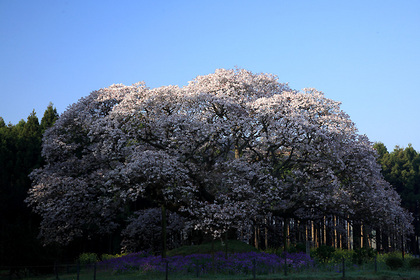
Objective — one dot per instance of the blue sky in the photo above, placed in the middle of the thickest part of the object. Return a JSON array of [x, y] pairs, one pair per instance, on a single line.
[[365, 54]]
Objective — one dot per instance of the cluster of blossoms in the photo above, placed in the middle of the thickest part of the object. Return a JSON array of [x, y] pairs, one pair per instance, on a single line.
[[224, 150], [236, 263]]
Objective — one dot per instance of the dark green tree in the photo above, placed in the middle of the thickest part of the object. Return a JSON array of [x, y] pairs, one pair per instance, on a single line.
[[20, 153], [401, 168], [49, 118]]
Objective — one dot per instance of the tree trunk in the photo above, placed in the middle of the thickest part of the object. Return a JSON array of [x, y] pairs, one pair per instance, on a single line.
[[366, 234], [285, 233], [164, 247], [266, 234], [356, 235], [256, 241]]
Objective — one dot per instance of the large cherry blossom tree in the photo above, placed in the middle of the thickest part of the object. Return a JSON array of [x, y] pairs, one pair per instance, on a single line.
[[225, 149]]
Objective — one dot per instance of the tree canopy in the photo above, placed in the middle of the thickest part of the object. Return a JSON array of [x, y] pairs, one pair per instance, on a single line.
[[401, 168], [221, 151]]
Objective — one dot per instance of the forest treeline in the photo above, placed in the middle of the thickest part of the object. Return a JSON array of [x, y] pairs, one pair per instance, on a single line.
[[20, 153]]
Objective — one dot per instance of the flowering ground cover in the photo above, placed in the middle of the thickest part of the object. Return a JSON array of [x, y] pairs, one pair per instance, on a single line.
[[220, 263], [245, 265]]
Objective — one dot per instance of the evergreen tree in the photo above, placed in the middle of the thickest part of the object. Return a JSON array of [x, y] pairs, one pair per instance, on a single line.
[[20, 153], [49, 118], [401, 168]]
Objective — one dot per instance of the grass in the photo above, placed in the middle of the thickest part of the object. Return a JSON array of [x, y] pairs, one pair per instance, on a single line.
[[103, 275]]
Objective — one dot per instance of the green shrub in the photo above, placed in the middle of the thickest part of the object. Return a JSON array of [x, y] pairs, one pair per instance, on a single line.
[[272, 250], [414, 263], [297, 248], [105, 257], [324, 253], [88, 258], [394, 263], [339, 254], [363, 255], [381, 258], [300, 247]]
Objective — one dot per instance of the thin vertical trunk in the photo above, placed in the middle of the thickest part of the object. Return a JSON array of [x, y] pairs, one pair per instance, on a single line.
[[357, 235], [321, 232], [256, 237], [226, 244], [335, 243], [366, 240], [329, 231], [164, 247], [378, 240], [285, 233], [308, 238], [313, 234], [349, 238], [266, 235], [385, 243]]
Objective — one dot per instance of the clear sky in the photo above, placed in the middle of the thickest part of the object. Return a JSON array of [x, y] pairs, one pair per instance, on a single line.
[[365, 53]]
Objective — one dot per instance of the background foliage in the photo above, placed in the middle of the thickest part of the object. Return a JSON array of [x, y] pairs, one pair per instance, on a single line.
[[20, 153]]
